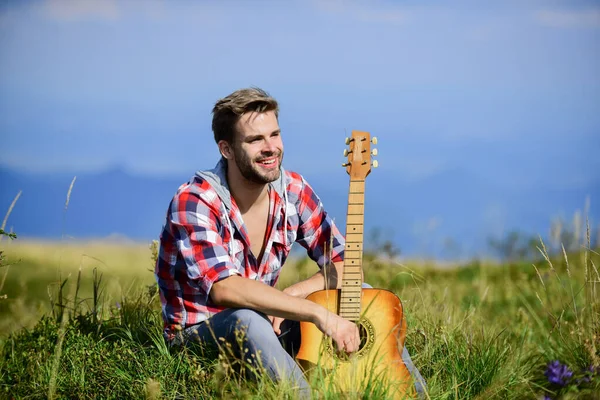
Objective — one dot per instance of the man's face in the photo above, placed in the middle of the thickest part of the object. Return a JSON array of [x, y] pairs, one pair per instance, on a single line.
[[257, 147]]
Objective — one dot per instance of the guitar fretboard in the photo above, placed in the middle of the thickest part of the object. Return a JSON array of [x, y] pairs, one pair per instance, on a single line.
[[350, 296]]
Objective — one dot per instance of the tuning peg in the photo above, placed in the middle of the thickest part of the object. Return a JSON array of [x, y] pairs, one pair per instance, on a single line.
[[374, 140], [374, 152], [348, 140], [345, 152], [375, 164], [345, 164]]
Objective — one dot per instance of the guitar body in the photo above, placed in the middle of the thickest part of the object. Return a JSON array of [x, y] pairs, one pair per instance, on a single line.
[[383, 329]]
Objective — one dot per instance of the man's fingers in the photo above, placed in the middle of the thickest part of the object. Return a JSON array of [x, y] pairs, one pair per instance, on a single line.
[[351, 343], [276, 322], [351, 346], [277, 327]]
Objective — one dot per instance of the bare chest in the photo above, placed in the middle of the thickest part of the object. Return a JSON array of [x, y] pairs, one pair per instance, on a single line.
[[256, 224]]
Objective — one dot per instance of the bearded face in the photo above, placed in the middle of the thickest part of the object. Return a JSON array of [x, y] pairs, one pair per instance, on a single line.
[[258, 148], [259, 168]]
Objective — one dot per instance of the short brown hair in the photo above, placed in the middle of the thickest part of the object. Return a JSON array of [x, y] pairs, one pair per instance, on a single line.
[[228, 110]]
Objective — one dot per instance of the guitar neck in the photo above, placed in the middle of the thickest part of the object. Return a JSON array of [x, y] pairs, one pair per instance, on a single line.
[[350, 299]]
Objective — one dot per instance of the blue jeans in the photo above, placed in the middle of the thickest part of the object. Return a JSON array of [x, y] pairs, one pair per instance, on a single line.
[[276, 353]]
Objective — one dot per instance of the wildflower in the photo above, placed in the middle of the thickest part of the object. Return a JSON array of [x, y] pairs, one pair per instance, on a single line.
[[557, 373], [118, 305], [587, 374]]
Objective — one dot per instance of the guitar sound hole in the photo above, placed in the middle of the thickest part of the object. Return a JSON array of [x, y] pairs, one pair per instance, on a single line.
[[364, 336], [367, 338]]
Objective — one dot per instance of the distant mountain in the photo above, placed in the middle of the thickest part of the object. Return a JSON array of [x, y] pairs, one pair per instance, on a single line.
[[418, 216], [101, 204]]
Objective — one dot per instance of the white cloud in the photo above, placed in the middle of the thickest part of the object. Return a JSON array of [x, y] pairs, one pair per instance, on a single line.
[[569, 19]]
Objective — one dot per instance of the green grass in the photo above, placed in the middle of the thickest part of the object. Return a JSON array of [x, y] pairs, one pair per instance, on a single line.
[[476, 331]]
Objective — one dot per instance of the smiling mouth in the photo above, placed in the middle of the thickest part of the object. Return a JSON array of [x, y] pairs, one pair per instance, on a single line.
[[269, 162]]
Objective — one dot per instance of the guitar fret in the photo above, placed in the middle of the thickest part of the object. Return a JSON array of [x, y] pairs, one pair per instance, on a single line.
[[355, 219]]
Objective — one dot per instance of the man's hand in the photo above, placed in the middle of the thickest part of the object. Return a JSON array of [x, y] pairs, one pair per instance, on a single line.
[[343, 332], [276, 322]]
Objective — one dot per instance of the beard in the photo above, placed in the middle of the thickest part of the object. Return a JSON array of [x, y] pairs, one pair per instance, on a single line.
[[250, 169]]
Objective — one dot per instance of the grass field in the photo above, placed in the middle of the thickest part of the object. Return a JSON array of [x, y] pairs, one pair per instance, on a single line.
[[476, 331]]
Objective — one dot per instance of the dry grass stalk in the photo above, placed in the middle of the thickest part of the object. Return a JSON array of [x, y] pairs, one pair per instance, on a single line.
[[12, 205]]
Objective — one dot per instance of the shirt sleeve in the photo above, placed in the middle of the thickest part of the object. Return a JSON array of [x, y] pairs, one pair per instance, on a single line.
[[195, 227], [316, 231]]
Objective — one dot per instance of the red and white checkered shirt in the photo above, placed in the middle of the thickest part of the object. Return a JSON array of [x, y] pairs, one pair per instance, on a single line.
[[204, 240]]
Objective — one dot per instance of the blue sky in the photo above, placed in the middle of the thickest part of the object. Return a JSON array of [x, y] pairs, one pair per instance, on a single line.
[[508, 90]]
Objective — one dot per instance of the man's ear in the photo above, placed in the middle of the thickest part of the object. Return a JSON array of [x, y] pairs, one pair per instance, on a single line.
[[225, 149]]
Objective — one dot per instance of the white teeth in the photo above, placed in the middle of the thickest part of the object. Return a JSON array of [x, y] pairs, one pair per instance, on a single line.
[[268, 162]]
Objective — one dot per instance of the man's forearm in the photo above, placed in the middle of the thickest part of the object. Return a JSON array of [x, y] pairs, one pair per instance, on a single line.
[[238, 292]]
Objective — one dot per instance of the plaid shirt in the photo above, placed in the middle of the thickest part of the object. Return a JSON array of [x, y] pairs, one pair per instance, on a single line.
[[203, 242]]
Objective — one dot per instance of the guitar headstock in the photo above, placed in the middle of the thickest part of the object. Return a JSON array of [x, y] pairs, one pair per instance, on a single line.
[[359, 154]]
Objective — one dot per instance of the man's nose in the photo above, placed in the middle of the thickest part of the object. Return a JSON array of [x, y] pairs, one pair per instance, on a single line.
[[270, 145]]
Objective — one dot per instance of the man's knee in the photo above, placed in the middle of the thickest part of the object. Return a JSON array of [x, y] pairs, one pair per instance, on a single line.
[[252, 323]]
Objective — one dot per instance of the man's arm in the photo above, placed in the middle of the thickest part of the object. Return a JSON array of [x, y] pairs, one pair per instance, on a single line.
[[240, 292]]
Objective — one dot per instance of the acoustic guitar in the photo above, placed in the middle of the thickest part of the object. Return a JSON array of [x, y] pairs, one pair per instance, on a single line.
[[378, 313]]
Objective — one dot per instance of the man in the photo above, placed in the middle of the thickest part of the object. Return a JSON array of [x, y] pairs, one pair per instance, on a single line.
[[227, 234]]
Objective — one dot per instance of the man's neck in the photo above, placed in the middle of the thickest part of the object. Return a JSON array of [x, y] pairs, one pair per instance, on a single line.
[[245, 193]]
